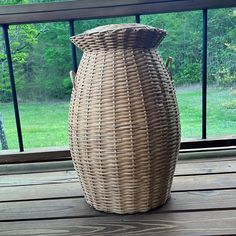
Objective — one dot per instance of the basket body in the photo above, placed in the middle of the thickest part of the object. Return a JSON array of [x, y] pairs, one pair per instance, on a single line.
[[124, 127]]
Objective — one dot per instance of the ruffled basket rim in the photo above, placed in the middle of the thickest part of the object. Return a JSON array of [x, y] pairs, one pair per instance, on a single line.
[[112, 28]]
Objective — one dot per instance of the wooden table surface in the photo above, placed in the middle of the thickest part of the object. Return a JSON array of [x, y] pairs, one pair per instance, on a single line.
[[45, 199]]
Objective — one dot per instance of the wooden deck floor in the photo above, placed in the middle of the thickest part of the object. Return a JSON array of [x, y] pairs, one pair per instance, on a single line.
[[46, 199]]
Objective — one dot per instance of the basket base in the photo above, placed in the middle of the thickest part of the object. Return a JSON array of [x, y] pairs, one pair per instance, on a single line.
[[129, 211]]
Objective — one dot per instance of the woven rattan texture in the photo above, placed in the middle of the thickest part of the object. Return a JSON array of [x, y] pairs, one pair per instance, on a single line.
[[120, 36], [123, 124]]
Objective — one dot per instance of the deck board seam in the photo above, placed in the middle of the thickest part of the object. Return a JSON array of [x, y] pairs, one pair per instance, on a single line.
[[82, 196], [102, 214], [176, 175]]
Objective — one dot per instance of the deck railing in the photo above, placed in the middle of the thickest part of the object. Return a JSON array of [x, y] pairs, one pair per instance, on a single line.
[[72, 11]]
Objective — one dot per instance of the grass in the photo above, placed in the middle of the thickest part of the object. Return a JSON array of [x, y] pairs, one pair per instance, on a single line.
[[221, 112], [45, 124]]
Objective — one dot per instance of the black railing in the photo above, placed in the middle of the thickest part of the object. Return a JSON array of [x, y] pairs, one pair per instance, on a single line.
[[13, 86], [76, 10], [204, 74], [73, 48]]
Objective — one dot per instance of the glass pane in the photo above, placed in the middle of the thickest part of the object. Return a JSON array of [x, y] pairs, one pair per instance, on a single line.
[[8, 135], [221, 112], [183, 44], [42, 61]]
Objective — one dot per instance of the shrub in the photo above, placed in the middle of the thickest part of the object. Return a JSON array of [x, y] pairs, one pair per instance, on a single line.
[[224, 78], [189, 74]]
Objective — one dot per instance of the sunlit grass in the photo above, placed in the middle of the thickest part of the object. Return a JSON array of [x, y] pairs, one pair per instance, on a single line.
[[45, 124]]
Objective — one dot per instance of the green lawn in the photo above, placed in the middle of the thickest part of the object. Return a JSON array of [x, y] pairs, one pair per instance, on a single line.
[[45, 124], [221, 112]]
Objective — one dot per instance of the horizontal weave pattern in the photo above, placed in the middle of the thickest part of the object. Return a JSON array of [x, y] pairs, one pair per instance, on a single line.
[[124, 126], [119, 36]]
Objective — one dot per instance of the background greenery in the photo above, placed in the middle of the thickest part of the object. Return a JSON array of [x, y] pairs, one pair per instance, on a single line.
[[42, 59], [45, 124]]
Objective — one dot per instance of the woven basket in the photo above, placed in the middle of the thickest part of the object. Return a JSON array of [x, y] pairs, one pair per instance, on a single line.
[[123, 123]]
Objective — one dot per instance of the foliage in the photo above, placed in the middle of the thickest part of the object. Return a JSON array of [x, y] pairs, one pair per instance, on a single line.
[[45, 124], [223, 77], [41, 53], [22, 41], [230, 105], [221, 53]]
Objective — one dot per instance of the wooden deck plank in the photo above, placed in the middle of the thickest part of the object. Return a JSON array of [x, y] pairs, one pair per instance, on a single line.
[[38, 178], [182, 168], [50, 202], [180, 183], [48, 155], [166, 224], [204, 182], [77, 207], [205, 167], [73, 189], [39, 167], [44, 191]]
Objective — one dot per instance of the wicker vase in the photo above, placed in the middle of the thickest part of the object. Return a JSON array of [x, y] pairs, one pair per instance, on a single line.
[[123, 123]]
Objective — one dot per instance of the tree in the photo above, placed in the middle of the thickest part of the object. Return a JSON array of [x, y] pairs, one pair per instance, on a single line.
[[22, 40], [42, 56]]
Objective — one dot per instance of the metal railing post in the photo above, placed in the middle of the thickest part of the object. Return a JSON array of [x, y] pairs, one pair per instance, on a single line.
[[204, 75], [13, 86], [137, 19], [73, 48]]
